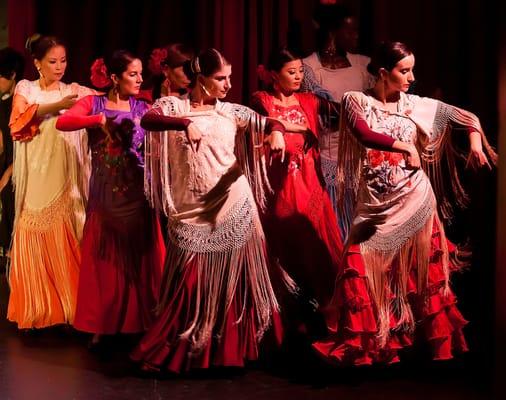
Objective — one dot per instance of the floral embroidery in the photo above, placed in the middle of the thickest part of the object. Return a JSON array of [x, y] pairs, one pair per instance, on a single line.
[[375, 158], [385, 170], [115, 152], [393, 158], [292, 114]]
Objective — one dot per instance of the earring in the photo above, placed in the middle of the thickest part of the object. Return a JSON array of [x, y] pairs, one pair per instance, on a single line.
[[204, 89]]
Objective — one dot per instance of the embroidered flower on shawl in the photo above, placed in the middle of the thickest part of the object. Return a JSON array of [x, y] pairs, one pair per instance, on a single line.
[[99, 76], [384, 170], [393, 158], [155, 60], [375, 158]]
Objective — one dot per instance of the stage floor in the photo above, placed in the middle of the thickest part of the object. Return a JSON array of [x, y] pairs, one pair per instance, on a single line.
[[55, 364]]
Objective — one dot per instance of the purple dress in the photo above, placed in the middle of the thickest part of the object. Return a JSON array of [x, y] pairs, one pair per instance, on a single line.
[[122, 246]]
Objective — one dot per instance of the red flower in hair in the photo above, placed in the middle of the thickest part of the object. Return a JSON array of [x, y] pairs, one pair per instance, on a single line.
[[264, 75], [99, 77], [155, 60]]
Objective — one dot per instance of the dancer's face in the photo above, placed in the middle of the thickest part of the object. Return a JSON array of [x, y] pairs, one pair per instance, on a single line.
[[218, 84], [53, 65], [177, 78], [400, 78], [129, 83], [346, 37], [7, 83], [289, 78]]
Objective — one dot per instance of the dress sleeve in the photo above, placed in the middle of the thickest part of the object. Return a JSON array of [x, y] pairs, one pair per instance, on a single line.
[[155, 120], [83, 91], [273, 125], [78, 116], [24, 123], [355, 119]]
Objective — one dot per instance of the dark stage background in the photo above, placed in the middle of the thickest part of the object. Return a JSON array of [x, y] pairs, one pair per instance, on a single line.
[[456, 43]]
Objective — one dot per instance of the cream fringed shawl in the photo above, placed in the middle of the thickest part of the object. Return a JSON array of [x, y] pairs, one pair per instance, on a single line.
[[51, 163], [213, 219], [435, 120]]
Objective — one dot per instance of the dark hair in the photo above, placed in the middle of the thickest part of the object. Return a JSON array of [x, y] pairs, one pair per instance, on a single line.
[[11, 61], [280, 57], [329, 17], [206, 63], [38, 45], [387, 55], [177, 55], [118, 62]]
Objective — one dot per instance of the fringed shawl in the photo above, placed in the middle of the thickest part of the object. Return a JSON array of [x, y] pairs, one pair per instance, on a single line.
[[34, 152], [435, 120], [248, 150]]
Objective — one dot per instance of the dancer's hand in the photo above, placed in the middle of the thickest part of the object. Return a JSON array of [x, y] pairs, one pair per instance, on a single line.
[[194, 136], [477, 158], [412, 157], [276, 144], [310, 140], [67, 101]]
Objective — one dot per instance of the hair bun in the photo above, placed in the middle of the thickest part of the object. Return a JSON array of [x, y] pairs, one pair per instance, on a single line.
[[195, 65], [31, 40]]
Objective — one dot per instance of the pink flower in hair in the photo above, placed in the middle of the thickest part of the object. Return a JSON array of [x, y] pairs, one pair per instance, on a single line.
[[155, 60], [99, 76], [264, 75]]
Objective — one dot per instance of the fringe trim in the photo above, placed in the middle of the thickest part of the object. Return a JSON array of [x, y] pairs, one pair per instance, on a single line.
[[222, 276], [388, 275], [395, 239], [250, 154], [442, 152], [349, 167]]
